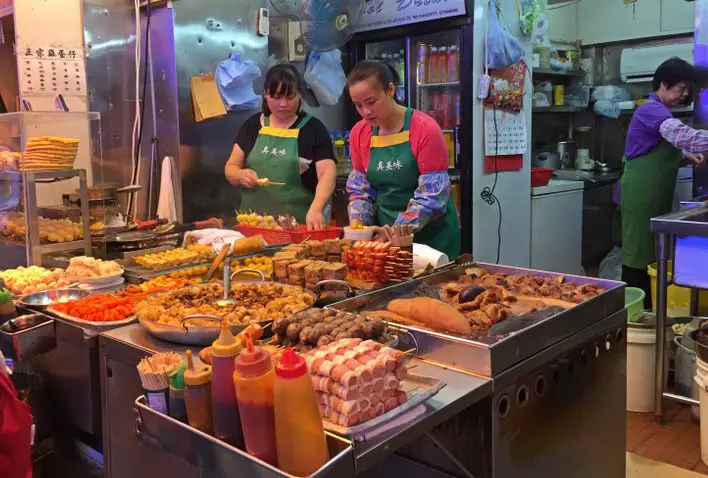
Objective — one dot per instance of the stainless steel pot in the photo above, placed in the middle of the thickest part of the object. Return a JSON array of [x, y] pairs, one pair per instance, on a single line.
[[566, 149], [546, 159]]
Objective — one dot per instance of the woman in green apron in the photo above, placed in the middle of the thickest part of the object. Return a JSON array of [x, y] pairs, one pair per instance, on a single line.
[[400, 163], [657, 144], [284, 145]]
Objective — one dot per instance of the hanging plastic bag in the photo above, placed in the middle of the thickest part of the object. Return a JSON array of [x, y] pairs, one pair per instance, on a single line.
[[234, 80], [325, 76], [611, 265], [502, 49]]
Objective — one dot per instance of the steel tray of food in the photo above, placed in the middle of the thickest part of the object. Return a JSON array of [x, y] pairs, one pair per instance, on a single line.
[[488, 318], [163, 314]]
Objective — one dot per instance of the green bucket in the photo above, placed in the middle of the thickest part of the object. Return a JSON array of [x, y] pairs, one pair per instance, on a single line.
[[634, 303]]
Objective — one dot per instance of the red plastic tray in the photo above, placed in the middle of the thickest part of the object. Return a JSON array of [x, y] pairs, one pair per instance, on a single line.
[[276, 236], [540, 176]]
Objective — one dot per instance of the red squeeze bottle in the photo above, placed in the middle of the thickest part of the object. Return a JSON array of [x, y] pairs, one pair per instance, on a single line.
[[253, 379], [300, 437]]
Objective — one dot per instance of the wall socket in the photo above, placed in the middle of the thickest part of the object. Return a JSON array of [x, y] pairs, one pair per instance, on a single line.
[[296, 45]]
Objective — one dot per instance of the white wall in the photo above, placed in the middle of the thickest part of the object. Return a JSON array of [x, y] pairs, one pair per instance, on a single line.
[[513, 188], [563, 18]]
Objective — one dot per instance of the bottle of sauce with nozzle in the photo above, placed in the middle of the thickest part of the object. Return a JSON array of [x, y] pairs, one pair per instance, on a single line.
[[197, 380], [300, 437], [254, 381], [227, 423]]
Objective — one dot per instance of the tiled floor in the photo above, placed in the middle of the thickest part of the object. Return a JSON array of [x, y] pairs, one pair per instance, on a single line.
[[676, 443]]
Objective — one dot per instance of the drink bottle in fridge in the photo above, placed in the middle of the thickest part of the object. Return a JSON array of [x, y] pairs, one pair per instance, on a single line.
[[422, 64], [433, 67], [452, 64], [442, 64]]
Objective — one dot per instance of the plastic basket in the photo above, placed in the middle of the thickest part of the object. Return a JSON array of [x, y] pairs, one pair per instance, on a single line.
[[634, 303], [540, 176], [277, 236]]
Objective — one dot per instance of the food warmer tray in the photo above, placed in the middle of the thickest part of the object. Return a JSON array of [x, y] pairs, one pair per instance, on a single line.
[[489, 356], [191, 335], [136, 274]]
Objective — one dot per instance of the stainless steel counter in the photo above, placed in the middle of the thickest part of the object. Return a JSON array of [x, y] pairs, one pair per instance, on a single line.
[[128, 344]]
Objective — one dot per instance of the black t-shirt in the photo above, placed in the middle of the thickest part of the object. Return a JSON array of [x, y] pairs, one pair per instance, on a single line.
[[314, 144]]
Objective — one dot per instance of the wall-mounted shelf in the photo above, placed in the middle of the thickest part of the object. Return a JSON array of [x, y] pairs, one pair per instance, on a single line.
[[557, 73], [558, 109], [676, 110]]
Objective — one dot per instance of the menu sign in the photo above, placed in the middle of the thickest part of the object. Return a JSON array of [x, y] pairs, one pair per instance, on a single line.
[[53, 71], [378, 14]]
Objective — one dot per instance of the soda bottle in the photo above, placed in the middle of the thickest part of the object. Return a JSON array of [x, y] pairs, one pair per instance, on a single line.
[[442, 64], [445, 106], [422, 64], [452, 64], [433, 67]]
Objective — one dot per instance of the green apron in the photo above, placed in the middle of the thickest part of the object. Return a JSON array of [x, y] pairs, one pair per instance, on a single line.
[[646, 191], [393, 172], [275, 156]]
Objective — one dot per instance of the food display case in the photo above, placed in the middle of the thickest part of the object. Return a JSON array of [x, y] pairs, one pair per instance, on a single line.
[[42, 157]]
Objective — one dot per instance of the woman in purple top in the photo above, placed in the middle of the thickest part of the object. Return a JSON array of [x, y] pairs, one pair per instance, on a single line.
[[657, 144]]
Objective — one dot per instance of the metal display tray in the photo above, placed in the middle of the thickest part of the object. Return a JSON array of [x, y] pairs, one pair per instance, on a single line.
[[137, 274], [210, 454], [489, 356]]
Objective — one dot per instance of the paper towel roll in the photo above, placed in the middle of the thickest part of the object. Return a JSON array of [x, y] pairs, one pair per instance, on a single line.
[[424, 255]]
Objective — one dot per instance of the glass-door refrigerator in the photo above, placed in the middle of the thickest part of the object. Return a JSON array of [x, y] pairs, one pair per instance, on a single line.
[[428, 69]]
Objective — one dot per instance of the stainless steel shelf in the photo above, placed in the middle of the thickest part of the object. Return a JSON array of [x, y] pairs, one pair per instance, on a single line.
[[39, 176], [676, 110], [439, 85], [48, 248], [552, 72], [558, 109]]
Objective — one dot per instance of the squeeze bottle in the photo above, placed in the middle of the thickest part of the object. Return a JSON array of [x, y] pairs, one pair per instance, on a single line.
[[253, 380], [198, 395], [300, 437], [227, 423]]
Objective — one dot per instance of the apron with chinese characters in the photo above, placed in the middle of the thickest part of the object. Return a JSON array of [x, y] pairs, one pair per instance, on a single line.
[[275, 156], [647, 191], [393, 172]]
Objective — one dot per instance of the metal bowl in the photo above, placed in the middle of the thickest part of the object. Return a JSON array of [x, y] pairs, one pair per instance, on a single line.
[[42, 300]]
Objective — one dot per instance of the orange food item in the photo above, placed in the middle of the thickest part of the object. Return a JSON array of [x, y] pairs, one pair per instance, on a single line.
[[102, 307]]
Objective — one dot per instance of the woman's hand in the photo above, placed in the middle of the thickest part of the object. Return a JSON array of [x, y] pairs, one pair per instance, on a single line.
[[315, 220], [246, 178], [694, 159]]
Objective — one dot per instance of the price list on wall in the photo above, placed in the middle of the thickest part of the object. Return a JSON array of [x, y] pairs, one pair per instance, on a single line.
[[52, 71]]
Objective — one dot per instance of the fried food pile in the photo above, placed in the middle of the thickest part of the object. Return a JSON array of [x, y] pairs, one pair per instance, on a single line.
[[253, 303], [537, 286]]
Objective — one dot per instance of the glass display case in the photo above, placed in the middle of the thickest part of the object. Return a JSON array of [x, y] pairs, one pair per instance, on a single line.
[[44, 157]]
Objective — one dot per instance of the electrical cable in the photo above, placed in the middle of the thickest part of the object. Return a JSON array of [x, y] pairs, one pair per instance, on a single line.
[[487, 193], [134, 146], [138, 156]]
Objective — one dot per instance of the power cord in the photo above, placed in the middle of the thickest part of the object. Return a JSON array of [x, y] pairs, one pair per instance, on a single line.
[[487, 193]]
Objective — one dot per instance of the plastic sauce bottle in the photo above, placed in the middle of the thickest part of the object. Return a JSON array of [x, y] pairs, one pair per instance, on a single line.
[[198, 396], [253, 379], [227, 423], [301, 443]]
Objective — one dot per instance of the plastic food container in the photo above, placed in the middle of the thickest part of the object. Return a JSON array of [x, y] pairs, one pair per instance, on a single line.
[[277, 236], [358, 234], [540, 176]]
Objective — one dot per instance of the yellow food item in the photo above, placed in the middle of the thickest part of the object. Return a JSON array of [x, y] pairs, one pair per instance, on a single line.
[[192, 254], [28, 280], [14, 226], [83, 267], [261, 263]]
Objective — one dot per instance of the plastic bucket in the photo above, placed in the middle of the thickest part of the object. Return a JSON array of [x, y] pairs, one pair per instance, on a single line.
[[685, 370], [678, 298], [641, 358], [702, 382], [634, 303]]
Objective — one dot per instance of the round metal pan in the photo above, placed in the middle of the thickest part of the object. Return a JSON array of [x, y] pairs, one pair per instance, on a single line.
[[202, 335]]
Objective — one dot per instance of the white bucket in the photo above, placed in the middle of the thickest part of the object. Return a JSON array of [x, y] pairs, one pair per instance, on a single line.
[[641, 362], [702, 382]]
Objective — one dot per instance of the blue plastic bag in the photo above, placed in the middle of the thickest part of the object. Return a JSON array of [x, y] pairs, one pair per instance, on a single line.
[[502, 49], [234, 80], [325, 76]]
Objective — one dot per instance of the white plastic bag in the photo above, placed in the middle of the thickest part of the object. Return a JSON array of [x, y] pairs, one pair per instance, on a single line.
[[325, 76], [611, 265]]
